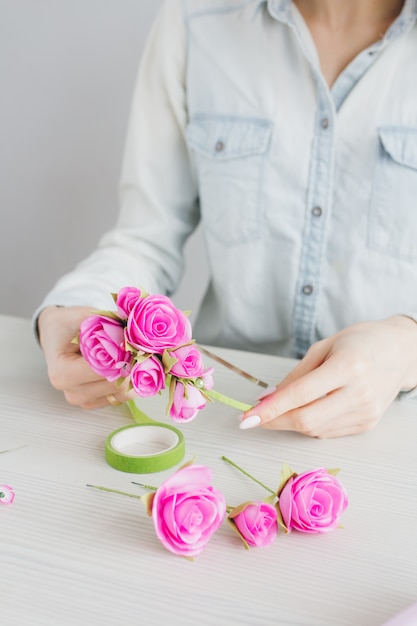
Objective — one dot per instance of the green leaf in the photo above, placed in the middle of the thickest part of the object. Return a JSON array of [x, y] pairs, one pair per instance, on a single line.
[[187, 463], [270, 499], [76, 340], [168, 360], [238, 509], [112, 314], [280, 519], [333, 471], [172, 385], [130, 348], [147, 500], [231, 523], [286, 474]]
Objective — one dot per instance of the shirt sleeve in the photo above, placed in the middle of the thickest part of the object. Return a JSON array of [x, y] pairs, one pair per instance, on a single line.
[[158, 190]]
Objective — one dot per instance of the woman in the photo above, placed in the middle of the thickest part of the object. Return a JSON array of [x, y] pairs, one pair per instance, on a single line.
[[290, 130]]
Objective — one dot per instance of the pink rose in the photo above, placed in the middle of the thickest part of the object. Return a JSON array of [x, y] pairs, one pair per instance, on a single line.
[[148, 377], [187, 402], [256, 522], [189, 364], [187, 510], [125, 300], [312, 502], [207, 378], [102, 344], [155, 324], [6, 494]]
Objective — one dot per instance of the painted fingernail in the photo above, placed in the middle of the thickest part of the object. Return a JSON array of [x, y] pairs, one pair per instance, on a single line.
[[266, 392], [250, 422]]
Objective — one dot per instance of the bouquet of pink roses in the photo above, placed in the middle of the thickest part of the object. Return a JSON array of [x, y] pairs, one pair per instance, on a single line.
[[149, 342]]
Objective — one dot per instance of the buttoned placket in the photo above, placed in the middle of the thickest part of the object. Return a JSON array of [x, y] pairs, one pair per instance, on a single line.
[[316, 220], [320, 184]]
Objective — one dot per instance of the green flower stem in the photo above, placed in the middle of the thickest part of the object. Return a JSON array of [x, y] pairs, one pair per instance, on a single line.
[[122, 493], [150, 487], [13, 449], [224, 458], [215, 395]]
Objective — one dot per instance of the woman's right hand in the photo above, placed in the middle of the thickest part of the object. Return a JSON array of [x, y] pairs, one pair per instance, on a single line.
[[68, 371]]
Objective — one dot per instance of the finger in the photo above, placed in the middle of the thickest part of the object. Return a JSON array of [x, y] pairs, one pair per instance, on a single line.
[[70, 371], [312, 418], [94, 395], [298, 393], [352, 423]]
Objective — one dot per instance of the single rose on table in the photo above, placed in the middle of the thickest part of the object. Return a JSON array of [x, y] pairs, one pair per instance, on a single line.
[[7, 494], [312, 502], [256, 523], [186, 510]]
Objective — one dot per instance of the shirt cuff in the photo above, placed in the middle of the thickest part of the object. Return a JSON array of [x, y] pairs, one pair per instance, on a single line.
[[411, 394]]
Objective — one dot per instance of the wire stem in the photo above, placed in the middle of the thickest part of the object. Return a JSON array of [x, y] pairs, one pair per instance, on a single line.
[[122, 493], [224, 458]]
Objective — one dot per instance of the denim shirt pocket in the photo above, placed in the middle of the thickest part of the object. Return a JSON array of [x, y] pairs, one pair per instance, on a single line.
[[229, 155], [393, 211]]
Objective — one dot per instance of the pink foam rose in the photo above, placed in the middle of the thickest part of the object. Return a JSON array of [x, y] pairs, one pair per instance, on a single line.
[[189, 364], [187, 402], [125, 300], [207, 378], [102, 344], [256, 523], [7, 494], [187, 510], [155, 324], [148, 377], [312, 502]]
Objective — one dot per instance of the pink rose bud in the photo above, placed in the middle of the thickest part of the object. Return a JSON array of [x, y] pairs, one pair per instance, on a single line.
[[189, 364], [155, 324], [148, 377], [125, 300], [102, 344], [256, 523], [7, 494], [312, 502], [207, 378], [187, 402], [187, 510]]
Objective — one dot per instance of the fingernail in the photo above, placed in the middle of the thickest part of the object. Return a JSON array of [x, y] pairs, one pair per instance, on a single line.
[[266, 392], [250, 422]]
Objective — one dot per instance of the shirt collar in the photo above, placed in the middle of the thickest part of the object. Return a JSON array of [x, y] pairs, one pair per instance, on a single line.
[[282, 11]]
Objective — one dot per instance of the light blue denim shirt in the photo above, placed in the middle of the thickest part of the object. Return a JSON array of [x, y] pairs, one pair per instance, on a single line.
[[307, 195]]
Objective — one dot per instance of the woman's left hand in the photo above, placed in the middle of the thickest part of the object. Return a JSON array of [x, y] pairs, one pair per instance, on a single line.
[[344, 383]]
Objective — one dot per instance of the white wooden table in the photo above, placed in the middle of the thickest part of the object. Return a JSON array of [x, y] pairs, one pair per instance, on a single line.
[[72, 555]]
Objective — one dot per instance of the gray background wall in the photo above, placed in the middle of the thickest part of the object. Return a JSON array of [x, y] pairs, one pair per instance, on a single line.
[[67, 72]]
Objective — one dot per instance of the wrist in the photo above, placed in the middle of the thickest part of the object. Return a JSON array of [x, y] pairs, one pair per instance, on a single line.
[[407, 327], [42, 319]]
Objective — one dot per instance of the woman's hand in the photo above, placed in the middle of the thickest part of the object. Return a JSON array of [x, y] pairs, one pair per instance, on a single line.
[[344, 383], [67, 369]]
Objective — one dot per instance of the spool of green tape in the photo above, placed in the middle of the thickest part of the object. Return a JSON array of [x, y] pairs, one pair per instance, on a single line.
[[145, 447]]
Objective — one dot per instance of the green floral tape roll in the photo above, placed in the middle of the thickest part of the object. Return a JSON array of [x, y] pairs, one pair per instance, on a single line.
[[145, 448]]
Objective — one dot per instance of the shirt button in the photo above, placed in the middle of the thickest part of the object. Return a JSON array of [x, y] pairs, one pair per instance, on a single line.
[[219, 147], [308, 290], [324, 122], [317, 211]]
